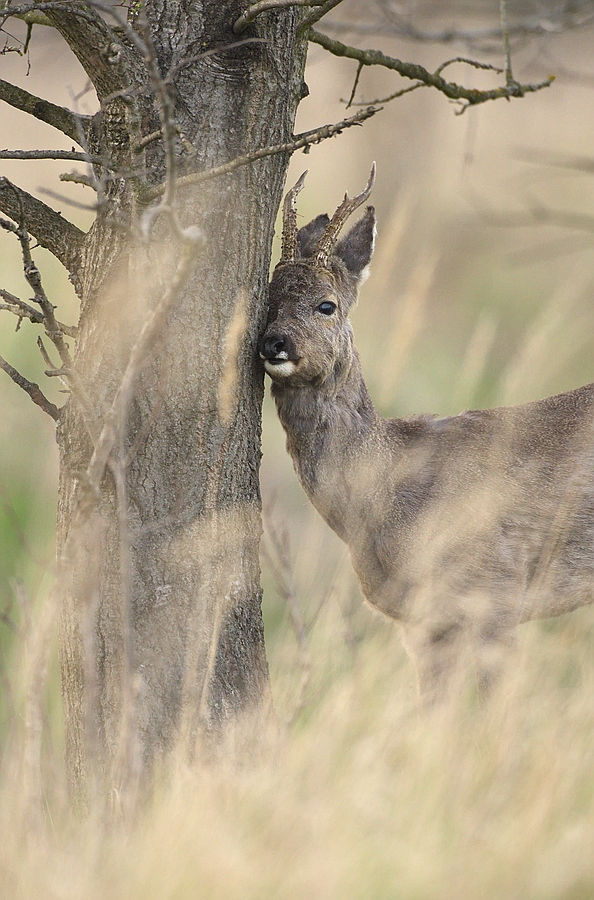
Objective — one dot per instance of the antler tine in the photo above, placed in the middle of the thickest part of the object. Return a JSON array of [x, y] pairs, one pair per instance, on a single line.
[[289, 238], [328, 239]]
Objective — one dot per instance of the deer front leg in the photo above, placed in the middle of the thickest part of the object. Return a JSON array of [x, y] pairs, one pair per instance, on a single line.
[[437, 651], [493, 647], [446, 653]]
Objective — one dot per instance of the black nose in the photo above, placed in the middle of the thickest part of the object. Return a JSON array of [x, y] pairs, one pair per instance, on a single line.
[[273, 345]]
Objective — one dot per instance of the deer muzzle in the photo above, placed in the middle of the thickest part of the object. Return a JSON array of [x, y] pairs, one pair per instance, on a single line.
[[279, 355]]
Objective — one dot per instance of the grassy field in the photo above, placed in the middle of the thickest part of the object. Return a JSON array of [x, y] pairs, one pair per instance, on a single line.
[[356, 792]]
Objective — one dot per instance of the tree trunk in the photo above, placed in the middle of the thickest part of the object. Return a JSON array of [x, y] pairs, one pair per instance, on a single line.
[[162, 631]]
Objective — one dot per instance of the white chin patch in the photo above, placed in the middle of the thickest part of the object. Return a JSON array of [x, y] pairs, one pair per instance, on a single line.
[[283, 369]]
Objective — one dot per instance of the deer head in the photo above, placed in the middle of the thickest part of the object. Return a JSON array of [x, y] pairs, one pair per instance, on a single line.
[[308, 335]]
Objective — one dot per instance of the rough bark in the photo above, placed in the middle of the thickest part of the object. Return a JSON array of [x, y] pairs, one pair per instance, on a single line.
[[162, 632]]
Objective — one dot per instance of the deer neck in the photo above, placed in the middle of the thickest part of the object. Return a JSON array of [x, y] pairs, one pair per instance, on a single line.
[[332, 435]]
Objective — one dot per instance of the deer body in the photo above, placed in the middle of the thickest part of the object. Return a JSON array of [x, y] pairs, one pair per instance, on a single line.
[[460, 528]]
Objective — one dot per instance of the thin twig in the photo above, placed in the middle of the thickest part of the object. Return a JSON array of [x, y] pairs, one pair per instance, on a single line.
[[21, 309], [509, 78], [394, 96], [469, 62], [106, 60], [32, 389], [316, 15], [263, 6], [54, 154], [52, 326], [303, 140], [355, 84]]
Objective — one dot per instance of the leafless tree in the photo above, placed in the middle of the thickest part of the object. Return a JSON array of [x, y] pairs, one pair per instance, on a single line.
[[158, 591]]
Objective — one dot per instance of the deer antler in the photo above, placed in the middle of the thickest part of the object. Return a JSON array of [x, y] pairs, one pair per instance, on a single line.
[[323, 250], [289, 238]]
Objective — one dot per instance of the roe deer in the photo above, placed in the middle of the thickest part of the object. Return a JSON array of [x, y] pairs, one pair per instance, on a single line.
[[460, 528]]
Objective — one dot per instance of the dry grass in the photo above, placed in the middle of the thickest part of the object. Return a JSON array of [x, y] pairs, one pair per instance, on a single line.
[[362, 795]]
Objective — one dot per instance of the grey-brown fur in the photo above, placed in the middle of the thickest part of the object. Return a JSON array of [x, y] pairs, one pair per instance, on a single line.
[[460, 528]]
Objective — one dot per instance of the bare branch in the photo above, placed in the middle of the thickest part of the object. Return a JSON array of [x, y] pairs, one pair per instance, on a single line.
[[355, 85], [468, 62], [300, 141], [469, 96], [23, 311], [52, 327], [75, 155], [34, 391], [48, 227], [381, 100], [78, 178], [419, 84], [263, 6], [66, 121], [31, 18], [108, 62], [318, 14]]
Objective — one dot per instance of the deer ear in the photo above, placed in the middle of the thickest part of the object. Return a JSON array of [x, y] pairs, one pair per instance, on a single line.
[[309, 235], [356, 249]]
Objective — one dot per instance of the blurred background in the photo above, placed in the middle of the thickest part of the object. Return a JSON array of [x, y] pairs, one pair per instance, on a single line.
[[481, 293]]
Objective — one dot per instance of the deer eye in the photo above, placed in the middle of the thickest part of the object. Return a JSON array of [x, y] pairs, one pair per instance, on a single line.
[[326, 308]]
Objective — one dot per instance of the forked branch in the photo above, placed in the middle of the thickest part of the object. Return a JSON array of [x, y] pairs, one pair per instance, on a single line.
[[23, 310], [466, 96], [50, 229]]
